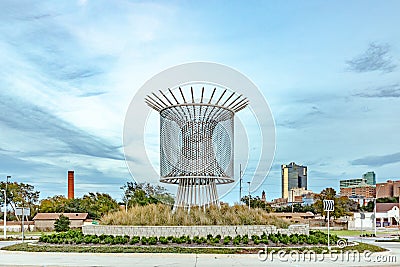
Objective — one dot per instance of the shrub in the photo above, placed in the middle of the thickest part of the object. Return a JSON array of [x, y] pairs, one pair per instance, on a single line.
[[108, 240], [237, 239], [153, 240], [87, 239], [163, 240], [227, 240], [294, 239], [144, 240], [62, 224], [274, 238], [215, 240], [199, 240], [134, 240], [245, 239], [264, 236]]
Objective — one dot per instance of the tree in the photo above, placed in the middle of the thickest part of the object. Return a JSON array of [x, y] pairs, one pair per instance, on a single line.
[[95, 204], [98, 204], [21, 195], [343, 205], [369, 207], [62, 224], [296, 208], [145, 193], [387, 200], [57, 203], [256, 202]]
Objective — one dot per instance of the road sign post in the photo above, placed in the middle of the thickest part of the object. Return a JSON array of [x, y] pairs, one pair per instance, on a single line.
[[362, 217], [329, 205], [23, 212]]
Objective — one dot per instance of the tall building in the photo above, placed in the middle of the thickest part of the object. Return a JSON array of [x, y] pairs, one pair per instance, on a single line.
[[370, 178], [352, 182], [293, 176], [361, 190]]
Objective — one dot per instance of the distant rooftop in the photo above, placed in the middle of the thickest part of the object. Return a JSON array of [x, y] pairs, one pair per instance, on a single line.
[[55, 216]]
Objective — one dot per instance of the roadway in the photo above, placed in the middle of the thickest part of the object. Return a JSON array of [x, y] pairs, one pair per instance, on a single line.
[[8, 258]]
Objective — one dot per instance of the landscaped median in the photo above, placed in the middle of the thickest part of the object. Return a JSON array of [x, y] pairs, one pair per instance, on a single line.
[[75, 241]]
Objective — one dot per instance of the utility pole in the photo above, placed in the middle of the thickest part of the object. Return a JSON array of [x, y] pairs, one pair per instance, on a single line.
[[249, 194], [240, 183], [5, 209], [23, 227], [291, 190]]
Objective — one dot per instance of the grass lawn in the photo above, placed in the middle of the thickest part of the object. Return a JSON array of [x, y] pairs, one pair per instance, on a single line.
[[342, 233], [172, 249], [30, 233]]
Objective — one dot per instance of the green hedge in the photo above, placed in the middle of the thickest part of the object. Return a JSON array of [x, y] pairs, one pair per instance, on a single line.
[[76, 237]]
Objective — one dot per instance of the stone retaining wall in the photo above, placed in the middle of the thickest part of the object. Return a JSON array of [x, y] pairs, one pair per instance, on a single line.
[[177, 231]]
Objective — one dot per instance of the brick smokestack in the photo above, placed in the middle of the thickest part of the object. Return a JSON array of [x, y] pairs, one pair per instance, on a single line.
[[71, 183]]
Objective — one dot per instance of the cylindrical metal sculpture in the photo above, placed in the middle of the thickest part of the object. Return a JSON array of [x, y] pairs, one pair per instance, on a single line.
[[196, 142]]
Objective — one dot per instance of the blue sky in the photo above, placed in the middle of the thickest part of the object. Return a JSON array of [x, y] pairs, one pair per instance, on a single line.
[[329, 71]]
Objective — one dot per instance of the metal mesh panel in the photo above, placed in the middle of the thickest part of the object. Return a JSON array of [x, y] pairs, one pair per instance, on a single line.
[[196, 141]]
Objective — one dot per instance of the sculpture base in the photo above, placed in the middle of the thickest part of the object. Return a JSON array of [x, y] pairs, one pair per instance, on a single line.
[[198, 192]]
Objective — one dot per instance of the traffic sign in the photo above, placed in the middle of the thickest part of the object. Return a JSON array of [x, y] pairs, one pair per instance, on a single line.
[[25, 211], [362, 215], [329, 205]]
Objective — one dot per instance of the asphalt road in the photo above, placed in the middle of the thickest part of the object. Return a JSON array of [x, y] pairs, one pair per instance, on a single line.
[[7, 258]]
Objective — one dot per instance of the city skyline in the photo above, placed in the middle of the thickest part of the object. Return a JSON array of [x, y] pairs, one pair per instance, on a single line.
[[329, 72]]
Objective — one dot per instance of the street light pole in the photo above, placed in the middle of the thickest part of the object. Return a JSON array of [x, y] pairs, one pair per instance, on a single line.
[[249, 194], [376, 195], [5, 214], [5, 209]]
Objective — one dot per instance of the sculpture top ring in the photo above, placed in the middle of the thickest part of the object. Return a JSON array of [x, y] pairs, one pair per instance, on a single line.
[[234, 104]]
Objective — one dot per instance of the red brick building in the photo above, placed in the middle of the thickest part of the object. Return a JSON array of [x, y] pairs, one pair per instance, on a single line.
[[366, 191], [388, 189]]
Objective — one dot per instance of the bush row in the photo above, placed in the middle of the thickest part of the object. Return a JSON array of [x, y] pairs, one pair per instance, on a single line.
[[367, 235], [76, 237]]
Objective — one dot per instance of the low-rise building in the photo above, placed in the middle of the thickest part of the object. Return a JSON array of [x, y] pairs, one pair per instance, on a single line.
[[308, 199], [298, 217], [297, 194], [45, 221], [279, 202], [387, 214]]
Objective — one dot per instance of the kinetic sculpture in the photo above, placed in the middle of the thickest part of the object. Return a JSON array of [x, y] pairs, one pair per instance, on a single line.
[[196, 142]]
